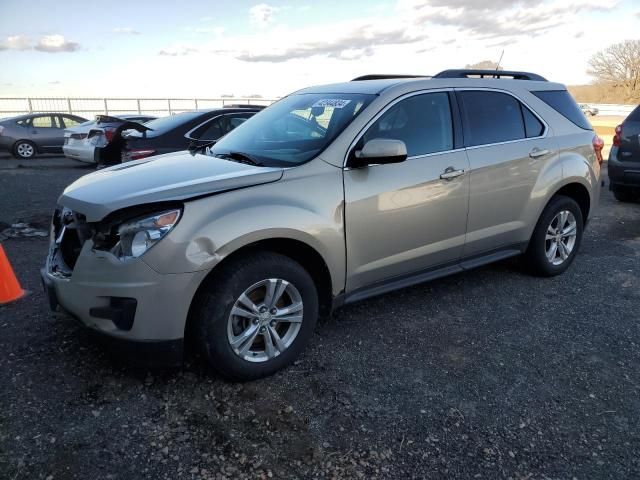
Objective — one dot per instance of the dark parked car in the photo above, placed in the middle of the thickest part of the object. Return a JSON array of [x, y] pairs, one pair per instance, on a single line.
[[624, 159], [167, 134], [27, 135]]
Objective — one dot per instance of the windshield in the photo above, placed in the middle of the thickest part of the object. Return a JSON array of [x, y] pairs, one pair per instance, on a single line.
[[294, 129]]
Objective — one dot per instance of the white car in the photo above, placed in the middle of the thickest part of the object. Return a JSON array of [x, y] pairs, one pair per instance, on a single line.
[[589, 109], [80, 142]]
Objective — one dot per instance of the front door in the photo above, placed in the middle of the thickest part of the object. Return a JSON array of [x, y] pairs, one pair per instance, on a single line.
[[47, 132], [406, 217]]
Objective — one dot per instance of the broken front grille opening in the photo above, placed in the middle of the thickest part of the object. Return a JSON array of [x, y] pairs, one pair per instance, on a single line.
[[70, 247], [70, 231]]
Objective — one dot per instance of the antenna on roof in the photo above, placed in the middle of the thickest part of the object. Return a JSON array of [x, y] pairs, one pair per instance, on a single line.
[[499, 61]]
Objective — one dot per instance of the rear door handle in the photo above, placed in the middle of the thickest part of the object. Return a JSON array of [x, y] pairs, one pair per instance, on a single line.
[[450, 173], [537, 153]]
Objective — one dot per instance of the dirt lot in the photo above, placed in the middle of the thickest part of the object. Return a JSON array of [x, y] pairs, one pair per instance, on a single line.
[[490, 374]]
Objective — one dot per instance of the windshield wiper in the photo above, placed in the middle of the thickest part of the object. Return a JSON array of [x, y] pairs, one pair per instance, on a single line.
[[194, 146], [240, 158]]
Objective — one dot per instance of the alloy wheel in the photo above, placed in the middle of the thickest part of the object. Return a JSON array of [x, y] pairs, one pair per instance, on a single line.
[[265, 320], [560, 239]]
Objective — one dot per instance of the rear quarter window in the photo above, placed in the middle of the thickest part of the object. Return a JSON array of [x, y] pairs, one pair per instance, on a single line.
[[563, 103]]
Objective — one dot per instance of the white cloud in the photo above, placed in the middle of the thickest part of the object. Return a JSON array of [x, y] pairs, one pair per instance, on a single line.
[[262, 14], [16, 42], [178, 50], [127, 30], [217, 31], [47, 43], [55, 43]]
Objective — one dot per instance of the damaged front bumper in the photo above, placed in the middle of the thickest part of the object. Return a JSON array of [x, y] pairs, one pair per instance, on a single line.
[[135, 308]]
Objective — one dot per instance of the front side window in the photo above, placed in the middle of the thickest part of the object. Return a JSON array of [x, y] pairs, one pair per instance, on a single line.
[[295, 129], [42, 122], [422, 122], [490, 117]]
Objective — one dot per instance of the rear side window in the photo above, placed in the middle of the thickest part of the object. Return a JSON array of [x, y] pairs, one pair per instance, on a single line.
[[422, 122], [491, 117], [71, 122], [533, 127], [221, 126], [563, 103]]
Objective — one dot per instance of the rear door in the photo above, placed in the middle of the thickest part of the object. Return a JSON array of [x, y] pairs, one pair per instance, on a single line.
[[507, 146]]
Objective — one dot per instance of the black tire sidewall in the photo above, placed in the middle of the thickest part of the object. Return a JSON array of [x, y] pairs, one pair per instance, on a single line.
[[536, 253], [219, 296], [27, 142], [624, 194]]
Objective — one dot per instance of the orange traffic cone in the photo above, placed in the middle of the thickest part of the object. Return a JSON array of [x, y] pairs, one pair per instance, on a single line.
[[10, 289]]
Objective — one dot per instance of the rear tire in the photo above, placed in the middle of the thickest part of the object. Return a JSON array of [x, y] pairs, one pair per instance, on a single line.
[[624, 194], [256, 315], [556, 238], [24, 150]]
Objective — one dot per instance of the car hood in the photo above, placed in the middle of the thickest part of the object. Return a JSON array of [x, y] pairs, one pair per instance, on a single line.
[[174, 176]]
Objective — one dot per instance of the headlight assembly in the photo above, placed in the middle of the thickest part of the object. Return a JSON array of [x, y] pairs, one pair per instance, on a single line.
[[137, 236]]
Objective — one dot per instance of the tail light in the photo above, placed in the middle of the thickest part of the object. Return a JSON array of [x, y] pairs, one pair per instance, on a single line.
[[140, 153], [616, 137], [598, 145], [109, 133]]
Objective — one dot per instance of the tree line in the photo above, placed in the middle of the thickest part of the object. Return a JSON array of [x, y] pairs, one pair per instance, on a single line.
[[615, 70]]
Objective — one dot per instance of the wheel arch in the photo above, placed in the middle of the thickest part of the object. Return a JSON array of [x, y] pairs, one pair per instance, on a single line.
[[578, 192], [303, 253]]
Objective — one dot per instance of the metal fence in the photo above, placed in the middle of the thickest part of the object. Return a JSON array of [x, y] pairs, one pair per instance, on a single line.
[[613, 109], [88, 107]]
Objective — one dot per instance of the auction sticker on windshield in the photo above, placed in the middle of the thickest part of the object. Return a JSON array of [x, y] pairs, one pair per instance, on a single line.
[[331, 102]]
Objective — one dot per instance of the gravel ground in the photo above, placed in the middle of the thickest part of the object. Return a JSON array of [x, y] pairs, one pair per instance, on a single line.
[[488, 374]]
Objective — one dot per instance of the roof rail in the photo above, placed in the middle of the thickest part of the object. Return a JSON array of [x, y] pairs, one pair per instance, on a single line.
[[490, 74], [376, 76], [245, 105]]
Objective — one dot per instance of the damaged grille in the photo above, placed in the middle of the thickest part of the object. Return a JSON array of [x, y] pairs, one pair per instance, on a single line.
[[69, 231]]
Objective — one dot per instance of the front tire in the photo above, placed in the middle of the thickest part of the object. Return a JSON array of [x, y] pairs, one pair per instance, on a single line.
[[556, 238], [24, 149], [256, 315], [623, 194]]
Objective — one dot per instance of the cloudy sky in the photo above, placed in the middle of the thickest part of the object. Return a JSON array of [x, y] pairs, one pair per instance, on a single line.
[[206, 48]]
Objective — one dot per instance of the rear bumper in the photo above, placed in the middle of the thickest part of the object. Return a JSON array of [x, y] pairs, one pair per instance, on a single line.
[[625, 173], [82, 154]]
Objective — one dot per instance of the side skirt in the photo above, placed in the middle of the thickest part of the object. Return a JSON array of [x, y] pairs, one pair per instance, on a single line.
[[415, 278]]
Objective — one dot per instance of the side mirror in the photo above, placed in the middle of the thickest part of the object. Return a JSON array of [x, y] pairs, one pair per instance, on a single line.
[[379, 151]]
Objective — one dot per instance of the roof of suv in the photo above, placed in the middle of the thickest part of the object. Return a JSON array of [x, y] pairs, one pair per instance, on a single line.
[[376, 84]]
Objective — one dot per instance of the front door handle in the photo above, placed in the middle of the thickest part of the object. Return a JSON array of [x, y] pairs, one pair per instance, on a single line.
[[450, 173], [537, 153]]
